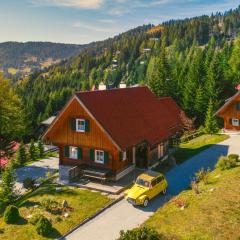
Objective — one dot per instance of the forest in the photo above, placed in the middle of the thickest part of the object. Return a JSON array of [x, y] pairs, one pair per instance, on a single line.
[[17, 58], [196, 61]]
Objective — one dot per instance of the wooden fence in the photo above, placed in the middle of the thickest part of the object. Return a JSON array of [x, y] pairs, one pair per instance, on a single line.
[[191, 136]]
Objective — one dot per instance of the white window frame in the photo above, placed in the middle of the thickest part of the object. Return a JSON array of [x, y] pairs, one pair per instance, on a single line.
[[235, 122], [97, 159], [77, 125], [71, 150]]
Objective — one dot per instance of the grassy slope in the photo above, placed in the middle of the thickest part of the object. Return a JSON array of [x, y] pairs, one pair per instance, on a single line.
[[209, 215], [195, 146], [84, 203]]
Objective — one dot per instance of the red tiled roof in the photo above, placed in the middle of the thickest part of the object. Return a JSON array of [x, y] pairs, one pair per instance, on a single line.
[[133, 115]]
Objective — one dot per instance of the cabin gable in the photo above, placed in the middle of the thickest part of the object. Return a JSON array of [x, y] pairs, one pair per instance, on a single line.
[[231, 113], [64, 130]]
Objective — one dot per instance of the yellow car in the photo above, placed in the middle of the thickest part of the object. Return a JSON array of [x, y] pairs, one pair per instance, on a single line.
[[147, 186]]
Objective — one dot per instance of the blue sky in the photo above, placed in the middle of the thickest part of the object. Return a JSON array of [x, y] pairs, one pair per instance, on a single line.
[[83, 21]]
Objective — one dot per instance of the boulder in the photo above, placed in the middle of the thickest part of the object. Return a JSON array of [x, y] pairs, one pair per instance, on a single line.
[[65, 204]]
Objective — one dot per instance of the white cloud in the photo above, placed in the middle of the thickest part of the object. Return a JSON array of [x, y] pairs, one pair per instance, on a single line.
[[91, 27], [85, 4]]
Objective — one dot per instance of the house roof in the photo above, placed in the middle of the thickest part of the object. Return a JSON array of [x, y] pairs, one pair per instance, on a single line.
[[133, 115], [227, 103]]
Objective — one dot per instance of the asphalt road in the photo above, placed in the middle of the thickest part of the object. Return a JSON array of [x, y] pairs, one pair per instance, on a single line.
[[36, 170], [122, 215]]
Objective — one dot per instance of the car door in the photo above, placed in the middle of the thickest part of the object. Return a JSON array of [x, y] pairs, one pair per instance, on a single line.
[[161, 184], [154, 189]]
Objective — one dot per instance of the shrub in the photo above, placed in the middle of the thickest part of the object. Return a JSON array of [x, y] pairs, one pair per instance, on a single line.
[[43, 226], [21, 156], [32, 151], [226, 163], [35, 218], [29, 183], [195, 187], [49, 205], [235, 157], [143, 233], [11, 214], [40, 149], [203, 175]]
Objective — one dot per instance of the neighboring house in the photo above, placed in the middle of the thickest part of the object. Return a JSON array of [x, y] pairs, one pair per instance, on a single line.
[[107, 133], [230, 112]]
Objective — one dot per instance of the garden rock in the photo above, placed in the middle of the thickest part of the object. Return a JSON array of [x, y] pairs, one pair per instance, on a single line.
[[65, 204]]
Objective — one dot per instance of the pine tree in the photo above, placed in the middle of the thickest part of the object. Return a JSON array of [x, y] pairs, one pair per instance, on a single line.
[[234, 61], [32, 150], [195, 78], [7, 192], [215, 80], [159, 77], [211, 125], [21, 156], [200, 106], [40, 149]]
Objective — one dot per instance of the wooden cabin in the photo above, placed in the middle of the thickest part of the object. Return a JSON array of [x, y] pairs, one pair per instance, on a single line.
[[108, 133], [230, 112]]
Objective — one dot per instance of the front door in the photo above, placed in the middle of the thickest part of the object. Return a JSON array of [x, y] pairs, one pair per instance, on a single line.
[[141, 156]]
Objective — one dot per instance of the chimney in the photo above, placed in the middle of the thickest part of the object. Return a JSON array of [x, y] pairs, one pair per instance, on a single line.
[[102, 86], [122, 85]]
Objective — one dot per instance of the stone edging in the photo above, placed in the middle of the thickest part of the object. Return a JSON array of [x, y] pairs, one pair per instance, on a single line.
[[91, 217]]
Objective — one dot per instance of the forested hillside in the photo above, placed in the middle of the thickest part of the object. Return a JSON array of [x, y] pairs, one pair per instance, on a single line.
[[193, 60], [22, 58]]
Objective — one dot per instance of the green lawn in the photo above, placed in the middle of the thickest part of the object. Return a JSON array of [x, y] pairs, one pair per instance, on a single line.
[[82, 203], [195, 146], [212, 214], [189, 149]]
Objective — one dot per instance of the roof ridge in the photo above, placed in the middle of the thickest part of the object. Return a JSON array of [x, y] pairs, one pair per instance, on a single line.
[[113, 89]]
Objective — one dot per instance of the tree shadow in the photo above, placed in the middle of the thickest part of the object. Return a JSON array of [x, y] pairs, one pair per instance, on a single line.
[[183, 154], [55, 234]]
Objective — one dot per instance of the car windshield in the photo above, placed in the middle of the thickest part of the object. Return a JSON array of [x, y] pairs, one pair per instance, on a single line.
[[142, 182]]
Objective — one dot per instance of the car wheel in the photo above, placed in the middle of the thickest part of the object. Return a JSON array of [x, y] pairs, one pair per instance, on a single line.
[[164, 191], [145, 203]]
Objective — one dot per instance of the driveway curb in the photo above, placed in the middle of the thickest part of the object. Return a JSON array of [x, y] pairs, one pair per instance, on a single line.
[[92, 217]]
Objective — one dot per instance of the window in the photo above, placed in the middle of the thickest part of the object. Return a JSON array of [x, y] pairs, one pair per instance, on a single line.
[[99, 156], [235, 122], [238, 106], [143, 182], [73, 152], [159, 179], [154, 182], [80, 125]]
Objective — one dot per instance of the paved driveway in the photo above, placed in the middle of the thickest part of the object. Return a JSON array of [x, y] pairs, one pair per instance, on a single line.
[[122, 215], [36, 170]]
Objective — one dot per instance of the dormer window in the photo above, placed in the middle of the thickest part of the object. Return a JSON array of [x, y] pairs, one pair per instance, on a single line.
[[80, 125]]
